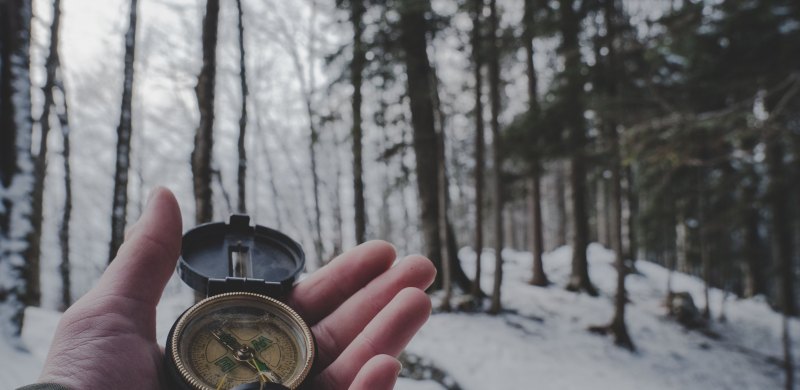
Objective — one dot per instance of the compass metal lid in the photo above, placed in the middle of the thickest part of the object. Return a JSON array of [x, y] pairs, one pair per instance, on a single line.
[[221, 257]]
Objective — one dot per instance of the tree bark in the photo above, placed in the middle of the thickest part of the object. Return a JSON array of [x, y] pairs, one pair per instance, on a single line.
[[357, 10], [40, 163], [538, 278], [241, 176], [413, 40], [561, 205], [633, 214], [66, 215], [573, 107], [497, 149], [204, 137], [779, 205], [477, 57], [119, 208], [16, 173]]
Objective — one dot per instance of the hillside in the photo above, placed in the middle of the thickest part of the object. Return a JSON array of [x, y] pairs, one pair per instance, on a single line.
[[541, 341]]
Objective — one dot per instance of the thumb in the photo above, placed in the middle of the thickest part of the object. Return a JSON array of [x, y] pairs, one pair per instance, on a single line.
[[147, 258]]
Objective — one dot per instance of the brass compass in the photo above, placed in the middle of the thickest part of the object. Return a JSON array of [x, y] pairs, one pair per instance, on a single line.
[[241, 336]]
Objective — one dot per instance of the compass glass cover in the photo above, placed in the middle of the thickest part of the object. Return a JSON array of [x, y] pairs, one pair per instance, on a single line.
[[234, 339]]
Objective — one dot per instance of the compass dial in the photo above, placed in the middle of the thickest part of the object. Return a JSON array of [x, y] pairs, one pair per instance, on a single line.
[[237, 338]]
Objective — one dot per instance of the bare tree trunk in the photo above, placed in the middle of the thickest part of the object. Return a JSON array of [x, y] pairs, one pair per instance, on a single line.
[[66, 216], [16, 173], [414, 43], [33, 254], [447, 274], [779, 204], [570, 28], [241, 176], [119, 208], [204, 138], [538, 278], [561, 205], [494, 95], [357, 10], [633, 215], [480, 162]]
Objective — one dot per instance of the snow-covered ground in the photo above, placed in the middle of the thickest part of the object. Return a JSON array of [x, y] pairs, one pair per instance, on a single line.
[[541, 340]]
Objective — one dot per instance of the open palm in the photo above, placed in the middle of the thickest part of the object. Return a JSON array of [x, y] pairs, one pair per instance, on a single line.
[[362, 311]]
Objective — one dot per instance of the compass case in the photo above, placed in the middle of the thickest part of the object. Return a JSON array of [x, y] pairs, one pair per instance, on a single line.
[[272, 259]]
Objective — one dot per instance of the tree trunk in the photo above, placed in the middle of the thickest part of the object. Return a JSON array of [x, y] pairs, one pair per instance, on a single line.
[[618, 327], [119, 208], [241, 177], [779, 205], [633, 214], [570, 28], [447, 273], [494, 98], [204, 138], [753, 267], [33, 255], [413, 40], [480, 141], [66, 216], [356, 75], [538, 278], [561, 205], [16, 167]]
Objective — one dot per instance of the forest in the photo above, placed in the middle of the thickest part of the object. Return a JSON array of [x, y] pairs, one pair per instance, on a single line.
[[487, 135]]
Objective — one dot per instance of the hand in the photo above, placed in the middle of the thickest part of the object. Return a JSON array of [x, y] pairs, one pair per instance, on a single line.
[[362, 311]]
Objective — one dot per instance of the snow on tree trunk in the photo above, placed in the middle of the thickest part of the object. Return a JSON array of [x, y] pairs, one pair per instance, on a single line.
[[16, 167]]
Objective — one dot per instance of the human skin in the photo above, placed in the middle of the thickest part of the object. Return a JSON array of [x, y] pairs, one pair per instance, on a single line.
[[363, 312]]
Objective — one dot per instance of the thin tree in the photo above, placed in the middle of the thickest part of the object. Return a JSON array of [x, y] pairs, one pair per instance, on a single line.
[[16, 173], [357, 10], [779, 204], [241, 177], [119, 206], [204, 138], [66, 215], [538, 278], [570, 25], [617, 327], [477, 58], [40, 162], [497, 149]]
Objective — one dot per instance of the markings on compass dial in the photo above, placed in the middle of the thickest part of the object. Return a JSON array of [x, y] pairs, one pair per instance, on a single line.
[[225, 364], [261, 343]]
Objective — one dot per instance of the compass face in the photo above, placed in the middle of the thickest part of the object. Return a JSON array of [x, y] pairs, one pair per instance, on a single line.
[[236, 338]]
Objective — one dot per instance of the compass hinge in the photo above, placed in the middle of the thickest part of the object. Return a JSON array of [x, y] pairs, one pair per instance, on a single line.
[[234, 284]]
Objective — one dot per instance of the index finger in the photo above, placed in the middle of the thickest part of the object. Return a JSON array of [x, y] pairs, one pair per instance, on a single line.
[[322, 292]]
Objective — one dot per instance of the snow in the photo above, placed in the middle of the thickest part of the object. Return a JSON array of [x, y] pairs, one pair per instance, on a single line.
[[541, 339]]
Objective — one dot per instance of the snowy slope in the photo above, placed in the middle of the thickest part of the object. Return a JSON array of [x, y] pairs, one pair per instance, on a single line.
[[541, 341], [546, 344]]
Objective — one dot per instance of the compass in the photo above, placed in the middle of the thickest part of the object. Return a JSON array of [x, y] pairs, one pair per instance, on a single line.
[[241, 336]]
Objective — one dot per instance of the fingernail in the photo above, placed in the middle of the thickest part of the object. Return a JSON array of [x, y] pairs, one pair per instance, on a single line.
[[400, 369]]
